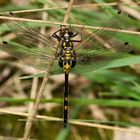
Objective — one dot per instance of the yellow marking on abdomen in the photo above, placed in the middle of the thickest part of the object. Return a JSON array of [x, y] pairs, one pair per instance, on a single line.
[[68, 56], [66, 98], [65, 107], [67, 66], [64, 44]]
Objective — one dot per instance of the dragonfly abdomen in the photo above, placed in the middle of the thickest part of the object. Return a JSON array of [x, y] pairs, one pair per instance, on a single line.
[[68, 61]]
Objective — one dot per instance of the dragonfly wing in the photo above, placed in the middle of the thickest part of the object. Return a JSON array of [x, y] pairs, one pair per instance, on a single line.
[[30, 46], [27, 35], [36, 57], [90, 60], [56, 69], [98, 48], [103, 36]]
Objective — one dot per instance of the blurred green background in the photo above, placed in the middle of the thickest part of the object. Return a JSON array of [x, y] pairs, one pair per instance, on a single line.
[[105, 96]]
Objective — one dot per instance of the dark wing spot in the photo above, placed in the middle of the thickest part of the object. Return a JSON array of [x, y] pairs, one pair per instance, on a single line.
[[11, 13], [126, 43], [119, 12], [4, 42]]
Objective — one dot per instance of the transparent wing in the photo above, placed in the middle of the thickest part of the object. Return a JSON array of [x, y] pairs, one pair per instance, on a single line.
[[35, 57], [102, 36], [96, 59], [26, 48], [27, 35], [56, 69], [101, 46]]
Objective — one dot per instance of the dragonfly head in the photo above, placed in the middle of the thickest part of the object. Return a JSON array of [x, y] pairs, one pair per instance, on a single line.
[[66, 34]]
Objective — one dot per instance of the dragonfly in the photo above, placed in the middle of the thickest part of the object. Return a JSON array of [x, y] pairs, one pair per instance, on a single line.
[[72, 54]]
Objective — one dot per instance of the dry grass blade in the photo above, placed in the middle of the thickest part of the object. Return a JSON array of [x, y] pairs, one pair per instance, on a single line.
[[68, 11], [64, 7], [35, 80], [130, 11], [36, 105], [104, 126], [74, 6], [5, 111], [72, 25], [34, 88], [73, 121]]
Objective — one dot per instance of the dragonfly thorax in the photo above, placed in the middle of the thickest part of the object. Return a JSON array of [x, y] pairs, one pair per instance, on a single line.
[[67, 45], [67, 57], [66, 37], [66, 34]]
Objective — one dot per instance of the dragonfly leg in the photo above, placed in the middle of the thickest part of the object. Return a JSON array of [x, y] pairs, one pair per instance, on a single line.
[[80, 40], [56, 36]]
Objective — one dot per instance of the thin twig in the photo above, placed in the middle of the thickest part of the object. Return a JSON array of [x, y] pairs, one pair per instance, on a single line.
[[5, 111], [104, 126], [34, 88], [31, 104], [34, 111], [72, 121], [74, 6], [72, 25], [67, 14], [64, 7]]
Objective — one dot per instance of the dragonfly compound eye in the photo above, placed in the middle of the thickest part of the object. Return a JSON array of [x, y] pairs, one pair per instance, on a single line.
[[70, 34]]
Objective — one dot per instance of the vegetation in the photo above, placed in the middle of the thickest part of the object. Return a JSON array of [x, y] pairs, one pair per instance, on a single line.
[[102, 101]]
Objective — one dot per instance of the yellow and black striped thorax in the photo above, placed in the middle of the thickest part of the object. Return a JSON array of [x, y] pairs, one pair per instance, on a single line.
[[67, 58], [67, 48]]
